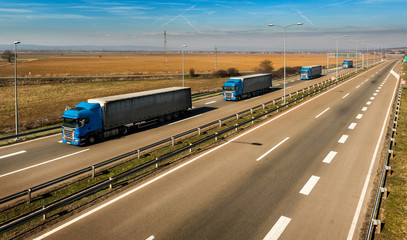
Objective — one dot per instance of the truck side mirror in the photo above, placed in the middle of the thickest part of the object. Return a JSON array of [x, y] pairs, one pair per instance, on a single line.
[[82, 123]]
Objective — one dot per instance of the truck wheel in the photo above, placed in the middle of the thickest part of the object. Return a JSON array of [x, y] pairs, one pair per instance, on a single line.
[[168, 117], [91, 139]]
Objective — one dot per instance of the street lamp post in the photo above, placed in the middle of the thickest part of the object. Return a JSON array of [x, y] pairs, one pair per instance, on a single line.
[[15, 84], [285, 30], [337, 53], [183, 46]]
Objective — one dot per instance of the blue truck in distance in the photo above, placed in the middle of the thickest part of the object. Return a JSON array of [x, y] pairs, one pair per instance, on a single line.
[[347, 64], [100, 118], [238, 88], [309, 72]]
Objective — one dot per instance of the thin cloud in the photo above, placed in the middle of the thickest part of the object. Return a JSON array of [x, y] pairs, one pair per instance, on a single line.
[[14, 10], [306, 19], [185, 11], [190, 24], [337, 3]]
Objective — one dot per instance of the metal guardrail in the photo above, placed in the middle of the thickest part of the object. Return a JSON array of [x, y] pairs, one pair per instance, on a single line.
[[42, 211], [382, 190]]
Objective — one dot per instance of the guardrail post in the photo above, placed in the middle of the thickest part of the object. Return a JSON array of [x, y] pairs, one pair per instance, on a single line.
[[156, 164], [44, 215], [384, 191], [378, 225], [220, 123], [263, 106], [391, 153], [274, 102], [93, 171], [199, 131], [138, 153], [393, 141], [236, 127], [29, 195], [190, 149], [388, 168], [110, 185], [216, 136], [267, 113], [252, 120], [237, 116], [251, 110], [172, 141]]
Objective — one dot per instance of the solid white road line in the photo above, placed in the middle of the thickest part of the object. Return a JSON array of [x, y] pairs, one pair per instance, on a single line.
[[278, 228], [378, 145], [29, 141], [306, 190], [359, 116], [210, 102], [329, 157], [345, 95], [185, 119], [12, 154], [39, 164], [364, 109], [181, 166], [269, 151], [322, 113], [343, 139]]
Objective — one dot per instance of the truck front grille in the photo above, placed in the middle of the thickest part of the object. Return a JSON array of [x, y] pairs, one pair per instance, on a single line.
[[304, 76], [228, 95], [68, 133]]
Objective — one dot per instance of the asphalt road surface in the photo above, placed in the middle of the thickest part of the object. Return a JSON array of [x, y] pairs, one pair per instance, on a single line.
[[303, 174], [28, 164]]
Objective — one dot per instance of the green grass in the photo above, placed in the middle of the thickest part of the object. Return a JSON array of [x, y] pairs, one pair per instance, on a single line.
[[394, 209]]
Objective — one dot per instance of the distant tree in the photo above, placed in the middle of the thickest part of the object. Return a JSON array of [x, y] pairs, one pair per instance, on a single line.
[[8, 55], [265, 66], [233, 72], [192, 72]]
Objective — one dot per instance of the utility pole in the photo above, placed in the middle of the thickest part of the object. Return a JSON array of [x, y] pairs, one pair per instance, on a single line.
[[165, 52], [215, 59]]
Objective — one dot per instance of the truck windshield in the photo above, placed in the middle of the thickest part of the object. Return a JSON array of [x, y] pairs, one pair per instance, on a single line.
[[70, 122], [229, 88]]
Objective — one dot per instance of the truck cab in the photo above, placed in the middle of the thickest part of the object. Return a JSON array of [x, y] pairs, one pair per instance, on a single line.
[[82, 123], [233, 89], [305, 73]]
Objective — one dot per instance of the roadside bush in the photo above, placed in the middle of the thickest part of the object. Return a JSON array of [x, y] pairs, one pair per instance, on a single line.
[[233, 72], [220, 74]]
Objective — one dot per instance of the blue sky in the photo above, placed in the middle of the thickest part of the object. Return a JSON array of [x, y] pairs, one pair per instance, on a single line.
[[230, 25]]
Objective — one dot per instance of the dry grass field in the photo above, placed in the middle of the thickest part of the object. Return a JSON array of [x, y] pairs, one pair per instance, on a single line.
[[44, 103], [95, 64]]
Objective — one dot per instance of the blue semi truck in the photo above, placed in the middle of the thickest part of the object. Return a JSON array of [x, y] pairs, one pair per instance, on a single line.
[[238, 88], [309, 72], [100, 118], [347, 64]]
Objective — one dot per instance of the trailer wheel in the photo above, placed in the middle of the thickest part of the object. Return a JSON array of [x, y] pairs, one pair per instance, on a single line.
[[123, 130], [161, 119]]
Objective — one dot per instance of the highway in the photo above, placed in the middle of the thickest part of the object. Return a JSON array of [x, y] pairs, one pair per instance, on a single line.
[[303, 174], [27, 164]]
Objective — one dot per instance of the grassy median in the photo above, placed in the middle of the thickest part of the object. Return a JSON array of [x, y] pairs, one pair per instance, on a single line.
[[394, 209]]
